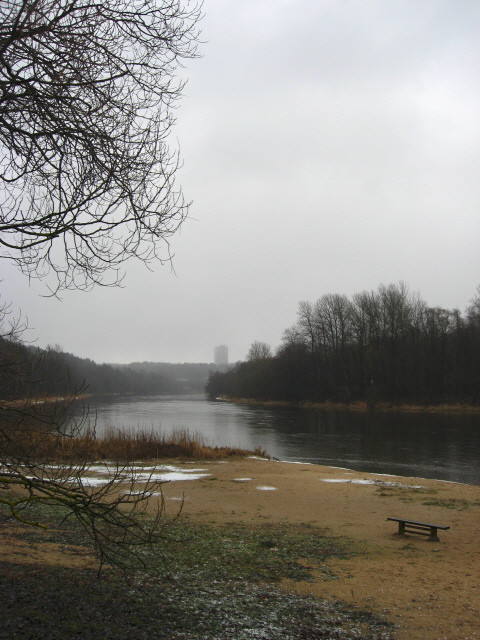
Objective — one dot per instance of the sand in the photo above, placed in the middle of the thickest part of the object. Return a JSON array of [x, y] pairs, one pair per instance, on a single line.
[[431, 590]]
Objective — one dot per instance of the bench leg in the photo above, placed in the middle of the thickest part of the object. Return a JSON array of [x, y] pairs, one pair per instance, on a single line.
[[401, 528], [433, 535]]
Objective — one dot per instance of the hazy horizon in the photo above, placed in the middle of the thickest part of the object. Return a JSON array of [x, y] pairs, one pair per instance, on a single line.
[[327, 147]]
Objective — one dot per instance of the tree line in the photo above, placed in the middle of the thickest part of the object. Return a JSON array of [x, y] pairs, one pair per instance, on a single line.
[[35, 373], [386, 345]]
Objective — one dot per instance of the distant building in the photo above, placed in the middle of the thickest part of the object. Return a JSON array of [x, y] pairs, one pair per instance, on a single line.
[[220, 355]]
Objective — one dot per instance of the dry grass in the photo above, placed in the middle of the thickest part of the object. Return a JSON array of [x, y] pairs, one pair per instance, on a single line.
[[120, 445], [150, 445], [362, 406]]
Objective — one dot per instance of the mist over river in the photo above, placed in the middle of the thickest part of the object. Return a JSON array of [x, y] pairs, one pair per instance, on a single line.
[[428, 445]]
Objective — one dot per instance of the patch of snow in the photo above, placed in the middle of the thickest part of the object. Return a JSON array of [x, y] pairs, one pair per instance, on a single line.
[[93, 481], [101, 468], [378, 483], [348, 481], [161, 473], [386, 475], [171, 476], [266, 488]]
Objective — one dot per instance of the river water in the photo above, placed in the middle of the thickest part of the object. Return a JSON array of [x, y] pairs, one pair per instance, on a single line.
[[428, 445]]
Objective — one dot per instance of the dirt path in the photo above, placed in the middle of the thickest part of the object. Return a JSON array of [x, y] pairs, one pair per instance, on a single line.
[[430, 589]]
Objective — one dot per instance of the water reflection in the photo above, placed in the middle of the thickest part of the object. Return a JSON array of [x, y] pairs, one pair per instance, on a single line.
[[424, 445]]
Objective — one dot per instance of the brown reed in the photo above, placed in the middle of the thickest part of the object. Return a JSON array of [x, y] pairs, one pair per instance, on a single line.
[[128, 445]]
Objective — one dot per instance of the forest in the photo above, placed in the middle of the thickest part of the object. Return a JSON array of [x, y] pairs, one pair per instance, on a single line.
[[386, 345], [37, 373]]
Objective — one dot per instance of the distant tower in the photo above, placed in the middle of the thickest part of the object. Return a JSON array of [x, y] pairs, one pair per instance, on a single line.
[[220, 355]]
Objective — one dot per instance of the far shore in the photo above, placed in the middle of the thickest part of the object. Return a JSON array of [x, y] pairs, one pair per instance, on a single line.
[[360, 406], [357, 406]]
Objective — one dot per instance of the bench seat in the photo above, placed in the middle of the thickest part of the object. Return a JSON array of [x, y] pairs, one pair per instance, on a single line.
[[419, 528]]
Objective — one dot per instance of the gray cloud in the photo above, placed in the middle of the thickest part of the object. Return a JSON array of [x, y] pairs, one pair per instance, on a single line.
[[327, 147]]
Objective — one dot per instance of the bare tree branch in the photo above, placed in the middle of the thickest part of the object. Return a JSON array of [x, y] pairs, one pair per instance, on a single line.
[[87, 181], [87, 92]]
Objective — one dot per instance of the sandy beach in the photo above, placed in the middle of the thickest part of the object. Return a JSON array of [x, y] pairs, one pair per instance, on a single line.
[[431, 590]]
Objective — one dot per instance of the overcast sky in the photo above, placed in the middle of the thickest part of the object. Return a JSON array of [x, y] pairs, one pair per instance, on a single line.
[[329, 146]]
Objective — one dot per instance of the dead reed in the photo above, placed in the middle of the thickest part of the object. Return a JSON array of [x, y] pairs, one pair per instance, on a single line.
[[128, 445], [144, 444]]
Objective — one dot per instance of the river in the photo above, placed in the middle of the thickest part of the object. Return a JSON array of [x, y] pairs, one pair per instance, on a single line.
[[428, 445]]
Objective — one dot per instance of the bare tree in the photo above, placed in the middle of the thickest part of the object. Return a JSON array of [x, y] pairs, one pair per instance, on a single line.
[[259, 351], [86, 97], [87, 91], [473, 311]]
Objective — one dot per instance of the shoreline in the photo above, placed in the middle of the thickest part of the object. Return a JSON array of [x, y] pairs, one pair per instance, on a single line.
[[376, 473], [359, 406]]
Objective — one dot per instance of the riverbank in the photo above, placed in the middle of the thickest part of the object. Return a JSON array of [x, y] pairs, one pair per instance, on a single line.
[[429, 589], [360, 406]]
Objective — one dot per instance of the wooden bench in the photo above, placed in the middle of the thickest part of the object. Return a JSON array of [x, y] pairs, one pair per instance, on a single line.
[[420, 528]]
